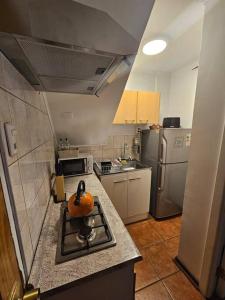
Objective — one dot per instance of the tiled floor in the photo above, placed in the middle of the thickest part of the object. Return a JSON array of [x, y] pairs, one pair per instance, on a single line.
[[157, 276]]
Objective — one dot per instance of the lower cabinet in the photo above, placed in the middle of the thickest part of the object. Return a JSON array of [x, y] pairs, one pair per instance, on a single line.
[[130, 193], [117, 283]]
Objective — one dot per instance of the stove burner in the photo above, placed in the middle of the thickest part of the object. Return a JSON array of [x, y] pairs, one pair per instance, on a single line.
[[86, 233], [82, 236]]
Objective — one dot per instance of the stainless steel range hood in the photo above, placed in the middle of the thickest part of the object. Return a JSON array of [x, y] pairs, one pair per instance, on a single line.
[[62, 45]]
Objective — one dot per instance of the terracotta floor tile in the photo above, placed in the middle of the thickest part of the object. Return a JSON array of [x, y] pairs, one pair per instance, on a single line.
[[144, 234], [154, 292], [180, 288], [145, 274], [178, 222], [172, 246], [162, 262], [168, 228]]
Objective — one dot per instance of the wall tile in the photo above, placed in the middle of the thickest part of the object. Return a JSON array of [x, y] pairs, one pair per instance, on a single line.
[[27, 244], [118, 141], [117, 153], [36, 126], [30, 171], [43, 104], [39, 161], [18, 193], [43, 197], [97, 154], [13, 80], [5, 111], [28, 175], [1, 71], [20, 115], [129, 139], [35, 216], [107, 154], [6, 116], [109, 143], [31, 96]]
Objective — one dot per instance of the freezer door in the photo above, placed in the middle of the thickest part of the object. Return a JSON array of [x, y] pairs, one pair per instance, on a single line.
[[150, 145], [171, 186], [175, 145]]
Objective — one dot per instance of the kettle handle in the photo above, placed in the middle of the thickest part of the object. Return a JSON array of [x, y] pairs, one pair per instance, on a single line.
[[80, 190]]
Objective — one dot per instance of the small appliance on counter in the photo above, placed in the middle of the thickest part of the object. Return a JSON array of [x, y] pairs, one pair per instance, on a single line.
[[73, 166], [172, 122]]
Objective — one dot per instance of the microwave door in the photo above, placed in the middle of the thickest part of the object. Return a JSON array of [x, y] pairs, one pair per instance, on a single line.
[[71, 167]]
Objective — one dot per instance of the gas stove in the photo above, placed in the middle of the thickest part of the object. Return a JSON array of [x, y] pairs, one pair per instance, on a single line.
[[82, 236]]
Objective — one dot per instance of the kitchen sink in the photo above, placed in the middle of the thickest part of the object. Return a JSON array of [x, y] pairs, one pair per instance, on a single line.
[[125, 166], [132, 165], [128, 168]]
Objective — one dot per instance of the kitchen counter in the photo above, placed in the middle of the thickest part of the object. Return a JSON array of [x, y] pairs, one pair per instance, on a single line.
[[48, 275]]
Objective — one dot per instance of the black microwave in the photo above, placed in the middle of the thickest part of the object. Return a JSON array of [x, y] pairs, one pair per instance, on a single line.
[[73, 166]]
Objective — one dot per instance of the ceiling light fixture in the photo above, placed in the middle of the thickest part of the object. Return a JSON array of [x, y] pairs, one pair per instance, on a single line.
[[154, 47]]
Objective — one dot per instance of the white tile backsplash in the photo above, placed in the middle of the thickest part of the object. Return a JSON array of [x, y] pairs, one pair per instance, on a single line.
[[112, 149], [5, 111], [30, 171], [28, 175], [13, 80], [17, 190], [27, 244], [20, 115], [118, 141]]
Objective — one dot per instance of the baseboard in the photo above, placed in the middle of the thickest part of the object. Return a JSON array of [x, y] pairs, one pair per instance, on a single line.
[[186, 272]]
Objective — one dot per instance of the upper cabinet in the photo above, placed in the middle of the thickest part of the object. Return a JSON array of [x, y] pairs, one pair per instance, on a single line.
[[148, 106], [127, 109], [137, 107]]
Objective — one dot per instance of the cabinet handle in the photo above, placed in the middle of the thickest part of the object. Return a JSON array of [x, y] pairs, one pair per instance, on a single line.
[[120, 181], [135, 178], [144, 121], [129, 121]]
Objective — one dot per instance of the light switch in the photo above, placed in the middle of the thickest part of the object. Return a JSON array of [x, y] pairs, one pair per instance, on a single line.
[[10, 132]]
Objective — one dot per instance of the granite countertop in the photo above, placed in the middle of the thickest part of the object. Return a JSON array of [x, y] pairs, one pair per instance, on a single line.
[[47, 275]]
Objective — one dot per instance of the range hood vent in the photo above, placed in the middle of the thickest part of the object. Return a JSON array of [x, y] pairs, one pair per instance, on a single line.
[[76, 55]]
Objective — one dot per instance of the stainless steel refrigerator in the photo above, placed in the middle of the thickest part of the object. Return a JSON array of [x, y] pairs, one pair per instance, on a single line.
[[166, 151]]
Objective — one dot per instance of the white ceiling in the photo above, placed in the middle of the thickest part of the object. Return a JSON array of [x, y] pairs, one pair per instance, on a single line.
[[180, 23]]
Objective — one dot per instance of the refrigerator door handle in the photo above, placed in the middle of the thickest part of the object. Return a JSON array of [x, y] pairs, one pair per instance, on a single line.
[[163, 150], [162, 177]]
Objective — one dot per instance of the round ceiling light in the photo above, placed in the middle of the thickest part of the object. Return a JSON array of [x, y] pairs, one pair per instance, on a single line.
[[154, 47]]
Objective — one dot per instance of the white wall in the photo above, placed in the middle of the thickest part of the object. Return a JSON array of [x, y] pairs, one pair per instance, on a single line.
[[177, 91], [90, 119], [205, 177], [182, 94]]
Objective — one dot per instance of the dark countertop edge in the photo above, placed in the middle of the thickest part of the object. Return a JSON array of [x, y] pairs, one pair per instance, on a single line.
[[89, 277]]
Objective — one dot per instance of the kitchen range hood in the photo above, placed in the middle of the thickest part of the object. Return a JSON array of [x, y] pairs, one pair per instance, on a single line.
[[64, 46]]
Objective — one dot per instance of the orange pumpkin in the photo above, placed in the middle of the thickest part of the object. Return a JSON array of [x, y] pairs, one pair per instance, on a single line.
[[81, 203]]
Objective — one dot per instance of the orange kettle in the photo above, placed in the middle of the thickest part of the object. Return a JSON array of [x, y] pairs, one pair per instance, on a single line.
[[81, 203]]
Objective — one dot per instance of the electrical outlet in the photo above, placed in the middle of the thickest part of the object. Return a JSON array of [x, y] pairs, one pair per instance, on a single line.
[[10, 132]]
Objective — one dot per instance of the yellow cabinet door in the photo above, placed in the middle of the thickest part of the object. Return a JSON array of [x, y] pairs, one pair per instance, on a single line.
[[148, 107], [127, 109]]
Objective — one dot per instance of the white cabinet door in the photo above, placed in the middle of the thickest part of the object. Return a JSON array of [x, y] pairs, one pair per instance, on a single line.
[[116, 188], [139, 184]]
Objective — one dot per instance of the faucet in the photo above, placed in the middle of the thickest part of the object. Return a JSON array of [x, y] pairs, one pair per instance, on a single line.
[[125, 147]]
